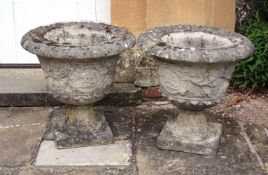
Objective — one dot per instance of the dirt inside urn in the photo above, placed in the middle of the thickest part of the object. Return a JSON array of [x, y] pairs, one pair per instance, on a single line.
[[77, 36], [198, 40]]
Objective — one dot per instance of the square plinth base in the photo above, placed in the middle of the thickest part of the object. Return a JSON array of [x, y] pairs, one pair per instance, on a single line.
[[72, 136], [81, 139], [207, 146]]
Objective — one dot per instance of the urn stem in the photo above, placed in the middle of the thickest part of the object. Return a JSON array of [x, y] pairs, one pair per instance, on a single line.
[[84, 118], [190, 125], [190, 132], [83, 115]]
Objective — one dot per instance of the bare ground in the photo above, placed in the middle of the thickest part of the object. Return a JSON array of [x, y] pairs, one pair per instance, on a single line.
[[251, 108]]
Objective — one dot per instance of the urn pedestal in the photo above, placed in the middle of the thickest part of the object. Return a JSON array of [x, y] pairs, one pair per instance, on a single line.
[[195, 64], [78, 60]]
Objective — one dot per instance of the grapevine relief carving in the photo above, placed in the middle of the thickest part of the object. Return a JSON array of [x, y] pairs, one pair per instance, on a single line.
[[77, 83], [196, 82]]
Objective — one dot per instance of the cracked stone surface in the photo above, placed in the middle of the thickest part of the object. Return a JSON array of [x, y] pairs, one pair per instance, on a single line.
[[21, 130], [233, 156], [182, 135], [259, 138], [140, 125]]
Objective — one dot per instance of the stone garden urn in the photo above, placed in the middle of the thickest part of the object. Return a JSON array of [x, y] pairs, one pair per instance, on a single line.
[[78, 60], [195, 64]]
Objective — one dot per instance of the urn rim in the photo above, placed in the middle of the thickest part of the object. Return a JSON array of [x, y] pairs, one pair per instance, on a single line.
[[65, 40], [168, 43]]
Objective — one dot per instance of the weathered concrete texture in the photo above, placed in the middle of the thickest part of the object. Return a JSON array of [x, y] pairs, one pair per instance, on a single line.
[[126, 67], [142, 125], [79, 60], [121, 157], [24, 116], [77, 40], [207, 144], [22, 81], [19, 145], [118, 153], [259, 138], [233, 156], [21, 130], [146, 71], [28, 100], [79, 82], [195, 64], [85, 128], [120, 120], [194, 86], [68, 170], [195, 44]]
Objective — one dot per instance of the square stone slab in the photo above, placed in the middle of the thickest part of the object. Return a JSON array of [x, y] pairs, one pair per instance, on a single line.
[[208, 146], [118, 153], [18, 146], [233, 154], [68, 170], [258, 136], [23, 116], [21, 130]]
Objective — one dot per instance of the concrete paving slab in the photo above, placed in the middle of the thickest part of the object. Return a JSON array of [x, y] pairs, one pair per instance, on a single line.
[[19, 145], [22, 81], [21, 130], [233, 156], [259, 140], [120, 121], [23, 116], [70, 170], [118, 153]]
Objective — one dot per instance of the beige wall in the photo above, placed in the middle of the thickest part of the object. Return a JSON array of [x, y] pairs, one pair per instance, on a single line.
[[138, 15], [130, 14]]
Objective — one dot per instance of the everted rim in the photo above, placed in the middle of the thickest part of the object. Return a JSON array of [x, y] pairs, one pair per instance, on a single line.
[[151, 42], [35, 42]]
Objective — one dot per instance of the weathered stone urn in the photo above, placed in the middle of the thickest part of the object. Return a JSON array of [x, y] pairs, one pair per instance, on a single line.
[[195, 64], [78, 60]]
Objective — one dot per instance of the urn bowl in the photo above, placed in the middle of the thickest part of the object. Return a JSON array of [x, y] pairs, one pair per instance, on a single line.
[[195, 62], [78, 58]]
